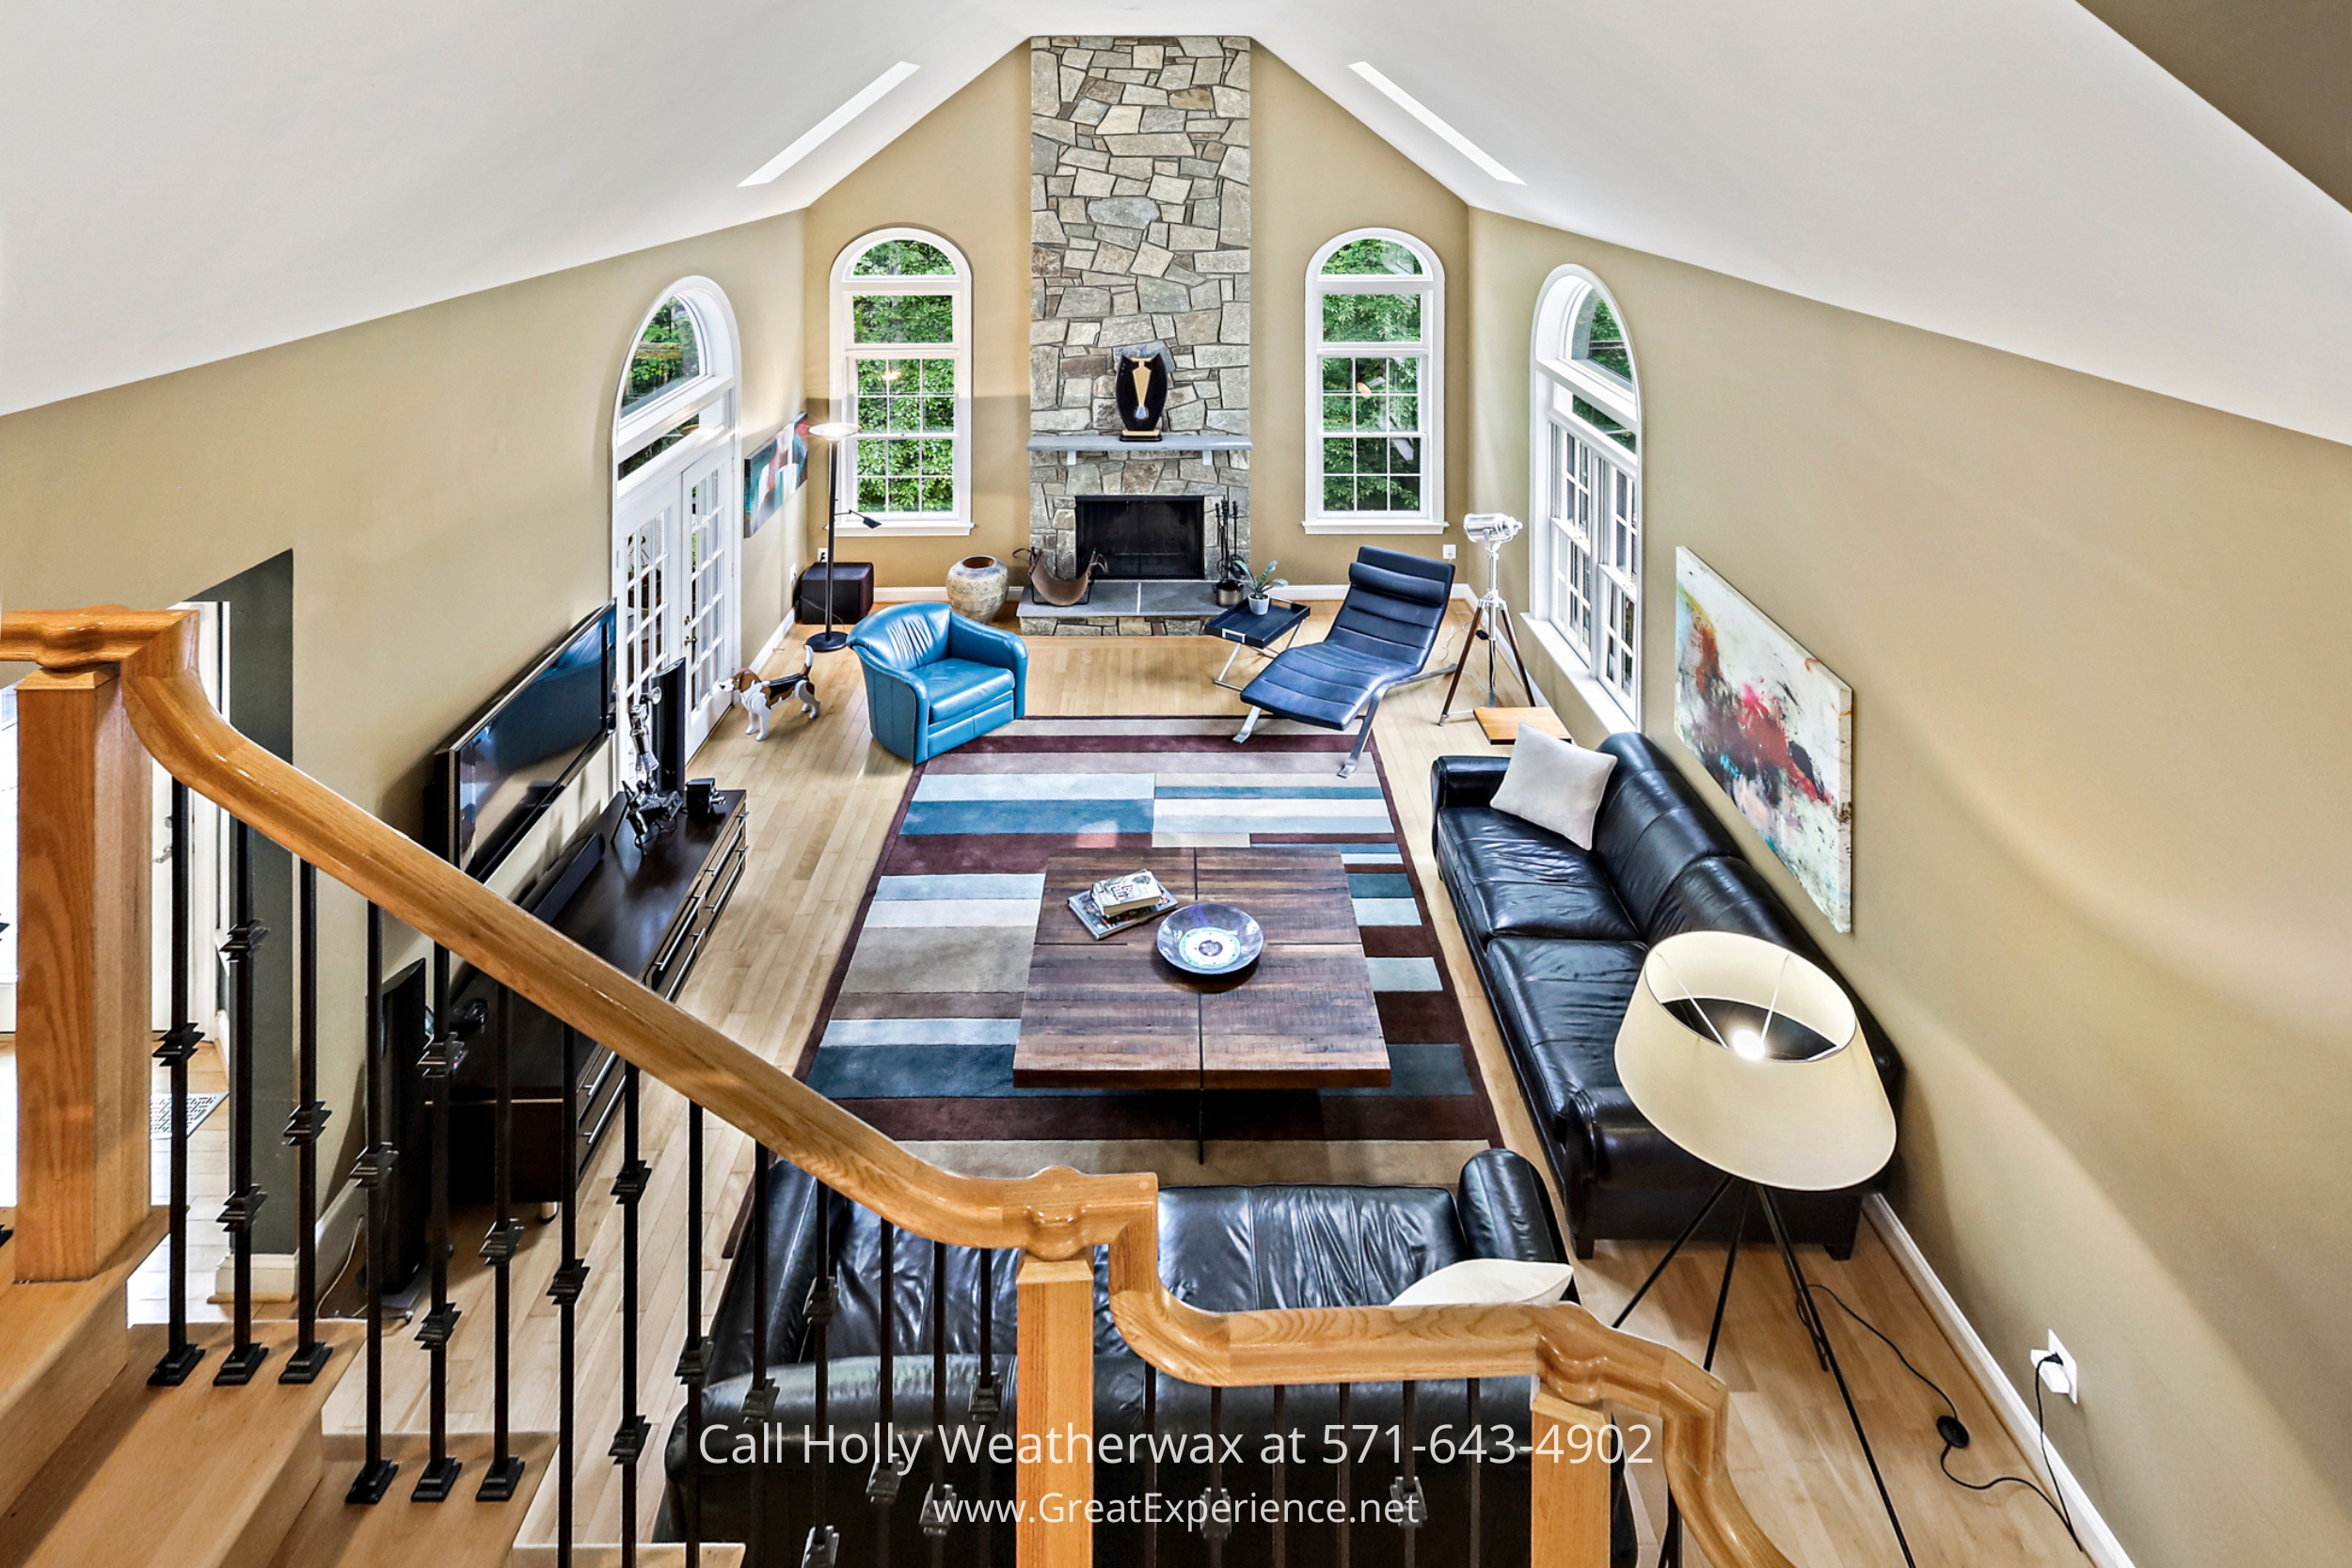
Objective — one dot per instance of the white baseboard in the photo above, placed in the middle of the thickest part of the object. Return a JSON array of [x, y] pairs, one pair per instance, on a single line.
[[2017, 1416], [338, 1230], [775, 638], [910, 595]]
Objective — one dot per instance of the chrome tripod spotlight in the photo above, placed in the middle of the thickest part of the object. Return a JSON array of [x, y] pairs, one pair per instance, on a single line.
[[1490, 530]]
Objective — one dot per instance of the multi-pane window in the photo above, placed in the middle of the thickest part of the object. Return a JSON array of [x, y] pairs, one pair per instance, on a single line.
[[901, 324], [668, 352], [1375, 311], [1587, 455]]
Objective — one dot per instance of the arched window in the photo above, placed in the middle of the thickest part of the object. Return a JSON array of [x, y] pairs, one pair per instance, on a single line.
[[1375, 374], [902, 362], [677, 463], [1586, 486]]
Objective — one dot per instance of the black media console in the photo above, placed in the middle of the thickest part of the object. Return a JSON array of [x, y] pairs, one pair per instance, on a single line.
[[647, 909]]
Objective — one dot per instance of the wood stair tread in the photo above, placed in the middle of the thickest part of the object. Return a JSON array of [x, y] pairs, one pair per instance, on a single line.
[[399, 1533], [61, 1343], [192, 1477]]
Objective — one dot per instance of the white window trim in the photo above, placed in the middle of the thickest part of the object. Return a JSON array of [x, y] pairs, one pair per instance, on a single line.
[[842, 390], [720, 375], [1550, 366], [1430, 519]]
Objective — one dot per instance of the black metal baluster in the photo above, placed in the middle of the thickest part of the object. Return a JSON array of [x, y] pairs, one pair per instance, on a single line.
[[302, 1131], [824, 1542], [498, 1246], [988, 1401], [1477, 1461], [373, 1170], [629, 1441], [246, 934], [759, 1400], [571, 1277], [439, 1066], [1150, 1462], [1347, 1470], [694, 1360], [1405, 1490], [881, 1486], [178, 1045], [1216, 1524], [1281, 1472], [939, 1501]]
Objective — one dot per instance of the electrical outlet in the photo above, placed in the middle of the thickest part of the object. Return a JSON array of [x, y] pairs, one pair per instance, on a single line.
[[2055, 1365], [1449, 552]]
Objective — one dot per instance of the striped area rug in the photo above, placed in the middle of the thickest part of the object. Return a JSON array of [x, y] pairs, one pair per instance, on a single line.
[[919, 1022]]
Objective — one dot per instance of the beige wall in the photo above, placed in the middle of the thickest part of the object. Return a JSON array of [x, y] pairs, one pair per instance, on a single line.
[[963, 172], [1318, 172], [2095, 643], [444, 480]]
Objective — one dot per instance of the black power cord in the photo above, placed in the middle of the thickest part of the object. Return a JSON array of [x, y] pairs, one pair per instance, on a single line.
[[1955, 1433]]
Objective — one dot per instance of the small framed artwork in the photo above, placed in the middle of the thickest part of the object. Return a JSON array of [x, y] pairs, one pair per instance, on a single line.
[[763, 485], [797, 456]]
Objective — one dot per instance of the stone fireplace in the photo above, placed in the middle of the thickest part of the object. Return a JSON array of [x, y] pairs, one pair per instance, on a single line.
[[1140, 215]]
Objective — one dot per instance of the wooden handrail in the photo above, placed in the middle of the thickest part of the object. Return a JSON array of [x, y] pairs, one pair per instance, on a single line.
[[1054, 1215]]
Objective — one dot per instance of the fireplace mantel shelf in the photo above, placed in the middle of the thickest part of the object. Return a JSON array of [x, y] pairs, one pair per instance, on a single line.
[[1174, 440]]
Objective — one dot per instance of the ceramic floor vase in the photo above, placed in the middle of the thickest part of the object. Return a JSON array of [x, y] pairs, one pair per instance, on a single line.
[[976, 587]]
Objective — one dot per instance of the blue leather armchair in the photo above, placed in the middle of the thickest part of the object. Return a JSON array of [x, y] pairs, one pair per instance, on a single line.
[[934, 680]]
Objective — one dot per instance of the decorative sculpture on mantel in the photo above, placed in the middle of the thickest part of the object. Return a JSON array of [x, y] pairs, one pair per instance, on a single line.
[[1140, 388]]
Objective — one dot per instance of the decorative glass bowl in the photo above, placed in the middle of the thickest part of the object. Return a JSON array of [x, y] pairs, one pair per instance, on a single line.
[[1211, 939]]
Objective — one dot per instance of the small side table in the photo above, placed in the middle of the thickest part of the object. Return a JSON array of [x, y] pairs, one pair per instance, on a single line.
[[1502, 724], [1258, 633]]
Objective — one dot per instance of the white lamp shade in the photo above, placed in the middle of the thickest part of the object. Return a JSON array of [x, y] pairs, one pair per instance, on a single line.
[[1804, 1123]]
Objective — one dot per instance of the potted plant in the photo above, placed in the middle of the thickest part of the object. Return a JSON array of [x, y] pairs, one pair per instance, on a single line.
[[1263, 585]]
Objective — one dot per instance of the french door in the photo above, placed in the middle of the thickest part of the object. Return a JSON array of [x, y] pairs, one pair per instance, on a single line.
[[709, 566], [674, 583]]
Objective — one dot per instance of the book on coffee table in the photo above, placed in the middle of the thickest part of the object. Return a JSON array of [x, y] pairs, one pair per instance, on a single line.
[[1091, 914], [1116, 897]]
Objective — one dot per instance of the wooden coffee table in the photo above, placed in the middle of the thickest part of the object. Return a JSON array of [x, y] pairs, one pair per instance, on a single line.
[[1114, 1014]]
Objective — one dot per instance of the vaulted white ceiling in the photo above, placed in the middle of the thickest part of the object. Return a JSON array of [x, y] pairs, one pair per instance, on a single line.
[[181, 184]]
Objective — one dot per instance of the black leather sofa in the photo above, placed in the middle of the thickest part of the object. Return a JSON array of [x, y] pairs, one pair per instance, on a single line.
[[1222, 1248], [1559, 934]]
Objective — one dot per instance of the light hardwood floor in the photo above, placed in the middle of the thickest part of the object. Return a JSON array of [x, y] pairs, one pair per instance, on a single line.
[[822, 794]]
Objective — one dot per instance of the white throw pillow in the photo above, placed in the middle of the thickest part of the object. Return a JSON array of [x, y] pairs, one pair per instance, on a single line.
[[1555, 783], [1488, 1282]]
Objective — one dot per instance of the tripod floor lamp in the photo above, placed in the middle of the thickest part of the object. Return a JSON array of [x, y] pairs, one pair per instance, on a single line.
[[1753, 1059], [835, 433], [1491, 618]]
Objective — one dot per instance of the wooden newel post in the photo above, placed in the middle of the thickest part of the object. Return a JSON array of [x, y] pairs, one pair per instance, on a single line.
[[1570, 1484], [86, 793], [1056, 1409]]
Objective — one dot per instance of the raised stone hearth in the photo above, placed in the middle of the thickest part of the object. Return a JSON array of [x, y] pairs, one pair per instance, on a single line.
[[1128, 607], [1139, 212]]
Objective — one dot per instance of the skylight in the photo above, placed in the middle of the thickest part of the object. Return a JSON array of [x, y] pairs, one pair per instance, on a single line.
[[823, 129], [1422, 112]]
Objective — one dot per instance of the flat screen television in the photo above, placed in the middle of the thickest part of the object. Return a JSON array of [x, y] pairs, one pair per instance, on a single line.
[[507, 764]]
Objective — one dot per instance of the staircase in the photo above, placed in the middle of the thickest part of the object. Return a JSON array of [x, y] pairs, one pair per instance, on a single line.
[[128, 1446], [104, 1467]]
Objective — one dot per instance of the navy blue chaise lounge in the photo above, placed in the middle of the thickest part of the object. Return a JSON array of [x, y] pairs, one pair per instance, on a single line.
[[1384, 632]]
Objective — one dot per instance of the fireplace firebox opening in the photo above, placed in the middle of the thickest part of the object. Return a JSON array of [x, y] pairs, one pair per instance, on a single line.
[[1143, 536]]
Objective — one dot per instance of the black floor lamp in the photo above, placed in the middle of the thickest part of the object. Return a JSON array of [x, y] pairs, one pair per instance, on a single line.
[[1754, 1059], [835, 433]]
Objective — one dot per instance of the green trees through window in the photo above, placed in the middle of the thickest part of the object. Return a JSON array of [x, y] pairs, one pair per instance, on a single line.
[[1373, 411], [669, 351]]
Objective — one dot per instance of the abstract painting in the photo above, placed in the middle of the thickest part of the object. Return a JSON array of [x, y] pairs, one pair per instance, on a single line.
[[763, 487], [1772, 726]]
